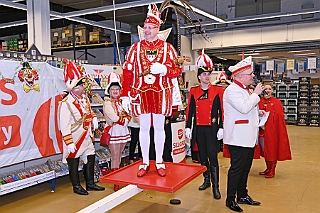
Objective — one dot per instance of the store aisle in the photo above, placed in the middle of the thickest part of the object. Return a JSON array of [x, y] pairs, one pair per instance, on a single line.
[[293, 190]]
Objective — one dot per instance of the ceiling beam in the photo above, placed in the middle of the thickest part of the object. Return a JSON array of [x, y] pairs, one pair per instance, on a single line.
[[71, 15]]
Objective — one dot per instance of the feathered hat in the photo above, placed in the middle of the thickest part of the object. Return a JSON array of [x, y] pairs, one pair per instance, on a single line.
[[241, 66], [153, 15], [221, 78], [73, 75], [113, 79], [204, 63]]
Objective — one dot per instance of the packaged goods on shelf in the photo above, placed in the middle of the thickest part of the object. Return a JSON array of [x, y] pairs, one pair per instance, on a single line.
[[67, 35], [315, 87], [81, 34], [4, 45], [281, 94], [98, 35], [293, 87], [304, 80], [56, 37], [281, 87]]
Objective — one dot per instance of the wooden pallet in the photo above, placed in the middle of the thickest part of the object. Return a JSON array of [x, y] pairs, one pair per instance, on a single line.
[[66, 44], [96, 42], [81, 43]]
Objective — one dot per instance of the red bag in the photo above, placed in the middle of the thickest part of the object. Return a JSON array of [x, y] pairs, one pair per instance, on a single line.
[[105, 138]]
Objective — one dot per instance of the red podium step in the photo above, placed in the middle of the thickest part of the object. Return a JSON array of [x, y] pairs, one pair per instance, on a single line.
[[177, 175]]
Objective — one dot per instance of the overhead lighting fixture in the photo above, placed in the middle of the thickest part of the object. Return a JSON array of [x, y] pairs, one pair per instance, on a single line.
[[13, 24], [96, 24], [201, 12], [249, 54], [13, 5], [221, 58], [261, 57], [111, 8], [298, 51], [260, 17], [305, 54]]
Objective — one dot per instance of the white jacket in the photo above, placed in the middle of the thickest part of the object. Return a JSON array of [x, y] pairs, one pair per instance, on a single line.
[[241, 117]]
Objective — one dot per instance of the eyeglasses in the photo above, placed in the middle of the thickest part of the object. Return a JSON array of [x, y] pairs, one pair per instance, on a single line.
[[247, 73], [149, 28]]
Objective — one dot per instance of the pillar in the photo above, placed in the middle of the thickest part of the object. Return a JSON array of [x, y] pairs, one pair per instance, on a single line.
[[38, 17]]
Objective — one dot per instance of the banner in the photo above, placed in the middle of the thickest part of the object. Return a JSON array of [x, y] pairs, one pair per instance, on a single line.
[[29, 97], [178, 142]]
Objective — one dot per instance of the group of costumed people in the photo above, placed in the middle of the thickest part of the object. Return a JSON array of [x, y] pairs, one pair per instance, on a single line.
[[146, 90]]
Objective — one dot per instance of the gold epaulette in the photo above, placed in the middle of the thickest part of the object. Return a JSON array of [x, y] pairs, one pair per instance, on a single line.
[[65, 99], [195, 86], [106, 98]]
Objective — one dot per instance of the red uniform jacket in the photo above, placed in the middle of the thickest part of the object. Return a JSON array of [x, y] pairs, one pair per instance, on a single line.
[[204, 109]]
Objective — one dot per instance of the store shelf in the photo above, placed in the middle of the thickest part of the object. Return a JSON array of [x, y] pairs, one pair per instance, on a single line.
[[25, 183]]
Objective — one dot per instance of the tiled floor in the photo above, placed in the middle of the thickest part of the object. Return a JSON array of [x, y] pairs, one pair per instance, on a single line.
[[295, 188]]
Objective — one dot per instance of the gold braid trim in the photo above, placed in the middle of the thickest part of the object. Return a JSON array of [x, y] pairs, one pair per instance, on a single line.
[[75, 126]]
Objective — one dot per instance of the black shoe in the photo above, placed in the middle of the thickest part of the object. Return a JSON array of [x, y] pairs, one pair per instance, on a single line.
[[233, 206], [216, 193], [205, 185], [79, 190], [248, 200], [90, 186]]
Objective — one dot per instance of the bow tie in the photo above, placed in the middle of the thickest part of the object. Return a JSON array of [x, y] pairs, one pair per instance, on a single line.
[[27, 88]]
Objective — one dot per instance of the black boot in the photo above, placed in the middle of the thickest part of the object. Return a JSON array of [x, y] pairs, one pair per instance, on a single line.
[[215, 182], [88, 170], [73, 164], [206, 183]]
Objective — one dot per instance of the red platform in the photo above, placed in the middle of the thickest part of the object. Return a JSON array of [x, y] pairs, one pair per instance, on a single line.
[[177, 175]]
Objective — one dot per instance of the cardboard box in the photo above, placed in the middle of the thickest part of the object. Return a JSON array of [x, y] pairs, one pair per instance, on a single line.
[[81, 34], [315, 81]]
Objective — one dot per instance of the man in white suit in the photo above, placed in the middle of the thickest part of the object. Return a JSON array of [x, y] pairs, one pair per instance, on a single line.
[[76, 118], [241, 125]]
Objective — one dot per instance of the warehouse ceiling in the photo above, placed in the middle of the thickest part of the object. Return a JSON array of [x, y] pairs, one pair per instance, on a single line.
[[135, 16]]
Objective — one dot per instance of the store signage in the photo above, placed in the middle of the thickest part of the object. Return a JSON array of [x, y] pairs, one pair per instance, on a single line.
[[28, 114], [312, 63], [270, 65], [301, 66], [280, 68], [290, 64], [178, 142]]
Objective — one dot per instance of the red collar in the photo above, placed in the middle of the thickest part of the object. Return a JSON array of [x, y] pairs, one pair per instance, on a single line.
[[242, 86]]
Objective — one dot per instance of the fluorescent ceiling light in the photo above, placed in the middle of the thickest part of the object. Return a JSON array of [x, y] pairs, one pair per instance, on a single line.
[[111, 8], [222, 58], [13, 5], [298, 51], [260, 17], [13, 24], [305, 54], [250, 54], [201, 12], [93, 23], [261, 57]]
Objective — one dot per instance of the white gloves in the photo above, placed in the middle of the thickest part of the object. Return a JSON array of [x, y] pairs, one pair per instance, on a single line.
[[188, 133], [71, 148], [95, 123], [157, 68], [220, 134], [125, 103]]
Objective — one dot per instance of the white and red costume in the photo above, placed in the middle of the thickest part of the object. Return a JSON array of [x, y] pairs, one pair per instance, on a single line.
[[148, 75], [76, 117], [146, 92]]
